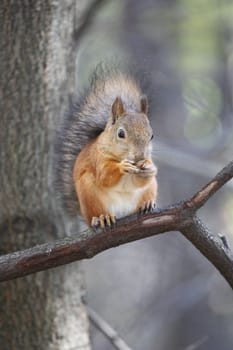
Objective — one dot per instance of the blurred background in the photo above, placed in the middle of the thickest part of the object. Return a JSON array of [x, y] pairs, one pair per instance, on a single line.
[[160, 293]]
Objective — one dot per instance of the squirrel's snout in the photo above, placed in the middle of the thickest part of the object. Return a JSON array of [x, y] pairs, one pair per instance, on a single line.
[[138, 157], [135, 157], [142, 154]]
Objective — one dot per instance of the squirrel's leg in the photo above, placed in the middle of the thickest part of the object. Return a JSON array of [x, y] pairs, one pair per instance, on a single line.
[[147, 201], [91, 206]]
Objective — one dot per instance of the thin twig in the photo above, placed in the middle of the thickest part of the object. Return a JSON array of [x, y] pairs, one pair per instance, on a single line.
[[224, 240], [197, 343], [179, 217], [107, 330]]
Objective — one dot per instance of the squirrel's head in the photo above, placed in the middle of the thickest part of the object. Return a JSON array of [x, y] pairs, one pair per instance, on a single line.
[[129, 133]]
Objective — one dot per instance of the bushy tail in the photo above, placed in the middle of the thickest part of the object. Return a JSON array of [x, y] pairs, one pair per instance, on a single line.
[[86, 120]]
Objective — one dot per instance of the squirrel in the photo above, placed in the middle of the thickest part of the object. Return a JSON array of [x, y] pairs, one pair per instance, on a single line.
[[104, 152]]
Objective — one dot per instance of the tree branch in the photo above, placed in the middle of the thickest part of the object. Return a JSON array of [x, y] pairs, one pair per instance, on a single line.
[[179, 217], [199, 199], [211, 246]]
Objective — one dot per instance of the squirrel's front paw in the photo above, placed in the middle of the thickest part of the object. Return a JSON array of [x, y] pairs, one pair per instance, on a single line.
[[146, 168], [103, 220], [128, 167]]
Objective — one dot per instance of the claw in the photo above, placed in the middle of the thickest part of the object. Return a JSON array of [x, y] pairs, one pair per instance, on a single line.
[[95, 223], [103, 220], [148, 207], [108, 220]]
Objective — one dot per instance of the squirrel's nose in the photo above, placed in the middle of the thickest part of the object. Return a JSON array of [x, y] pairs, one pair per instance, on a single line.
[[139, 156]]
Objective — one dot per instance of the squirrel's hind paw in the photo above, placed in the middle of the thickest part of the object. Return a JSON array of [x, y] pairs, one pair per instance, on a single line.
[[103, 220], [148, 207]]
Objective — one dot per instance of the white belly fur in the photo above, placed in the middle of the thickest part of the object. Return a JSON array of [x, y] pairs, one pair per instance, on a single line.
[[122, 199]]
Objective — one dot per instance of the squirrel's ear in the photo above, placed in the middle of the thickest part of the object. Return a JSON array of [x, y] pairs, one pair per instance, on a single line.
[[117, 109], [144, 104]]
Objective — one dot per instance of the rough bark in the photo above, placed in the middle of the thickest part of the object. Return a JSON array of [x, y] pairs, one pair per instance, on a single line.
[[42, 311]]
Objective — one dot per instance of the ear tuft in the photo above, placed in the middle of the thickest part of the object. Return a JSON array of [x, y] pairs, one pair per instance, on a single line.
[[117, 109], [144, 104]]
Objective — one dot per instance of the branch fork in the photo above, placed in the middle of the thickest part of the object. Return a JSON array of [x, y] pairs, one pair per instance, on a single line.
[[178, 217]]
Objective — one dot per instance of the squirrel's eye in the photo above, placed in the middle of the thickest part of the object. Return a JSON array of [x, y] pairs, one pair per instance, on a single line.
[[121, 134], [152, 137]]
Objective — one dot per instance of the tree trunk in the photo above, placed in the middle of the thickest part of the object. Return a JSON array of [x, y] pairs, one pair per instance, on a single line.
[[42, 311]]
